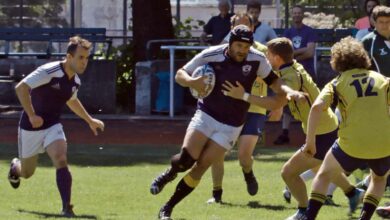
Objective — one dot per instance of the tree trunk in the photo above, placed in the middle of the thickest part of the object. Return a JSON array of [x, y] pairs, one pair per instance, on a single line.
[[151, 20]]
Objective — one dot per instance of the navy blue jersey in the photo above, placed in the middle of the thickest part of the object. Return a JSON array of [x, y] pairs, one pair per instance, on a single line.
[[222, 108], [50, 90]]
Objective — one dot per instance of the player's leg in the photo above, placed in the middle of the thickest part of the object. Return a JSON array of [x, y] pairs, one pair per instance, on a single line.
[[246, 144], [217, 172], [379, 172], [30, 144], [211, 153], [56, 148], [291, 171], [332, 171]]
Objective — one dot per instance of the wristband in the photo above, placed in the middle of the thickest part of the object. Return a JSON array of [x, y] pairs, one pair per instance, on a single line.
[[245, 97]]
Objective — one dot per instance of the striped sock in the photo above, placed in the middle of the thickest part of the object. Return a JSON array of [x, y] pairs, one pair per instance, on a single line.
[[183, 189], [315, 202], [370, 202]]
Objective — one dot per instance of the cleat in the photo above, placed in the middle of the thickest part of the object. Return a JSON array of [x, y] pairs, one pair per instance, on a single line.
[[160, 181], [282, 139], [287, 195], [67, 211], [329, 201], [251, 183], [165, 213], [217, 197], [299, 215], [355, 200], [383, 212], [13, 177]]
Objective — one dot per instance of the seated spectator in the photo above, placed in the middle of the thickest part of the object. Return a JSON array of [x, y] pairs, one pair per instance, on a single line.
[[262, 32], [218, 26], [364, 22]]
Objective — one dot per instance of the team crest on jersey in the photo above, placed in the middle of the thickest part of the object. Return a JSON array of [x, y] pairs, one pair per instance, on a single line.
[[246, 69], [383, 52], [297, 40]]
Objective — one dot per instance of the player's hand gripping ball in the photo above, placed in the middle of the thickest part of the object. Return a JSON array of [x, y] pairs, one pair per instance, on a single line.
[[207, 71]]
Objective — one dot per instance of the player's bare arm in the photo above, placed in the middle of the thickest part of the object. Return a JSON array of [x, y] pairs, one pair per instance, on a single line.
[[78, 108], [22, 91]]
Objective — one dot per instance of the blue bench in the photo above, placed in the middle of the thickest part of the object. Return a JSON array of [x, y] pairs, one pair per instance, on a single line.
[[50, 36]]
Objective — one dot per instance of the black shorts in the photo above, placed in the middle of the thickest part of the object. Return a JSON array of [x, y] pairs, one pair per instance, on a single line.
[[254, 124], [323, 143], [379, 166]]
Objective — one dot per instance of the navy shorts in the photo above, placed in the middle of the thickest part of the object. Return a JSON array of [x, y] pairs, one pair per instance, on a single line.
[[323, 143], [348, 163], [254, 124]]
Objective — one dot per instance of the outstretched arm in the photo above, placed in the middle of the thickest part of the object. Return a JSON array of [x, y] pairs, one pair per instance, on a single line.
[[78, 108]]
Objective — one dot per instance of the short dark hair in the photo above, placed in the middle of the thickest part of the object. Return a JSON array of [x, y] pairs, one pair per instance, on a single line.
[[282, 47], [299, 6], [349, 54], [75, 42], [240, 15], [380, 11], [253, 4]]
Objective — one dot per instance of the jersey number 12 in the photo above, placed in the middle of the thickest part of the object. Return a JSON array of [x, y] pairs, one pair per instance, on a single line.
[[358, 86]]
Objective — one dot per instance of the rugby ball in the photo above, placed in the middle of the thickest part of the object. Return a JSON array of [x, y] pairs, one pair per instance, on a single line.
[[205, 70]]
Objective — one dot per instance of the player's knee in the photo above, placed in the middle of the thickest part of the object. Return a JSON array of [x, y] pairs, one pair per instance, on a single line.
[[60, 160], [182, 161], [286, 172]]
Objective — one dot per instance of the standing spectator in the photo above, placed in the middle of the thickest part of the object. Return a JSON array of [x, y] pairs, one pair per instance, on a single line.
[[377, 43], [364, 22], [303, 38], [218, 26], [262, 32], [363, 32]]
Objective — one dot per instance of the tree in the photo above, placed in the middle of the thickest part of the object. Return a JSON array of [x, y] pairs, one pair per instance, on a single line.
[[32, 13]]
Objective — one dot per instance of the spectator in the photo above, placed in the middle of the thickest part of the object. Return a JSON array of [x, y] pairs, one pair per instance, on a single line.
[[363, 32], [364, 22], [262, 32], [218, 26], [377, 43], [303, 38]]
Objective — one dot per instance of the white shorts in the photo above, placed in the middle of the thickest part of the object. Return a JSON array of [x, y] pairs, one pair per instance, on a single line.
[[223, 134], [32, 143]]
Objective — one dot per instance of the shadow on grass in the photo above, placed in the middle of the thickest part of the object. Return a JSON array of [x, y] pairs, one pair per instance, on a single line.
[[52, 215], [128, 155], [257, 205]]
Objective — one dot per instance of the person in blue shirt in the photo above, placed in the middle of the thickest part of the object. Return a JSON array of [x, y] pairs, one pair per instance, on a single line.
[[43, 95]]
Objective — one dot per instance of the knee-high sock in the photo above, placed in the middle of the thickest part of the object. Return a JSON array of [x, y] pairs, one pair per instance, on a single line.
[[370, 203], [64, 184], [315, 202], [183, 189]]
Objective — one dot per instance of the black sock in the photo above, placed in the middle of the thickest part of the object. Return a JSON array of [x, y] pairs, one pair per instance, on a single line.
[[351, 192], [315, 203], [217, 194], [302, 209], [369, 206], [64, 184], [182, 190]]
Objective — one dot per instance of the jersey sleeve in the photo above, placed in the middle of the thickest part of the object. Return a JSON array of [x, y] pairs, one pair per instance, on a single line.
[[37, 78], [198, 60], [327, 94], [264, 68]]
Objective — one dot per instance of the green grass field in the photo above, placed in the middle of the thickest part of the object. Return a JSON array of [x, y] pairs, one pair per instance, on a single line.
[[112, 182]]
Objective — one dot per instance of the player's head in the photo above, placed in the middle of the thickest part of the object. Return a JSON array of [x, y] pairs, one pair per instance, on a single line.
[[253, 8], [224, 6], [297, 14], [349, 54], [369, 5], [77, 54], [280, 51], [381, 15], [242, 18], [241, 39]]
